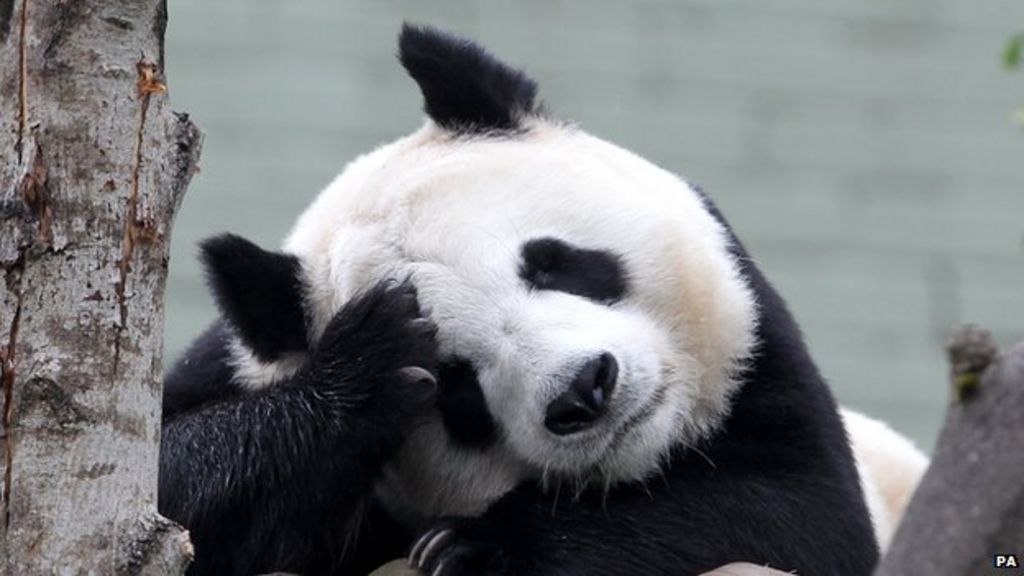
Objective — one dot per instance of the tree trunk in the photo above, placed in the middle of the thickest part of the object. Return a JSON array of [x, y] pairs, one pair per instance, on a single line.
[[970, 504], [93, 166]]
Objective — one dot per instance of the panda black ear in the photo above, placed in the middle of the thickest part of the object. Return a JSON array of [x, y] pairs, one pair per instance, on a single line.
[[465, 89], [260, 293]]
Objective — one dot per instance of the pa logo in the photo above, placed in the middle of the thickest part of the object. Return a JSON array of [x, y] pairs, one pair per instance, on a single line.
[[1005, 561]]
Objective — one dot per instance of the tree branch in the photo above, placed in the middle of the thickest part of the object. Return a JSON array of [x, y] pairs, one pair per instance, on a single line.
[[970, 504]]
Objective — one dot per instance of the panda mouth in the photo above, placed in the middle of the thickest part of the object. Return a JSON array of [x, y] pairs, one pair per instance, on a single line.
[[603, 445], [628, 422], [638, 417]]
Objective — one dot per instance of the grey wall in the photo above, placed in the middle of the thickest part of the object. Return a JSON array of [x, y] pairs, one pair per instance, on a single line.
[[862, 148]]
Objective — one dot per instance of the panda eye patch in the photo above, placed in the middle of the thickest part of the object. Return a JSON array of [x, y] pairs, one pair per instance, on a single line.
[[553, 264], [463, 407]]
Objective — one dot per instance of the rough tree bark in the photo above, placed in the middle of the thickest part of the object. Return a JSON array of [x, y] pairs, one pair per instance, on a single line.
[[970, 504], [93, 166]]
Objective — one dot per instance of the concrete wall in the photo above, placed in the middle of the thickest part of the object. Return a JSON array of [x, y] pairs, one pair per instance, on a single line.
[[863, 149]]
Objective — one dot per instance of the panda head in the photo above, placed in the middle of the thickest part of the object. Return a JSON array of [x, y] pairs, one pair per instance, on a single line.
[[590, 311], [586, 299]]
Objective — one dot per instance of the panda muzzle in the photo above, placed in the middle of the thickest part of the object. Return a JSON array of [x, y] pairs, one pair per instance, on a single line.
[[586, 399]]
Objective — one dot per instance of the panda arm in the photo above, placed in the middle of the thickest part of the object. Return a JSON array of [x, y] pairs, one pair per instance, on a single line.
[[250, 477], [668, 526], [275, 479]]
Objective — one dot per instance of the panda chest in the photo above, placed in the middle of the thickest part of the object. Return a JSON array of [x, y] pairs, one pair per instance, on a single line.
[[434, 476]]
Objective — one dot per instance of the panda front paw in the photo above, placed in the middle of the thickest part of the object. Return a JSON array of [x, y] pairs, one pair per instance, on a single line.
[[379, 347], [462, 547]]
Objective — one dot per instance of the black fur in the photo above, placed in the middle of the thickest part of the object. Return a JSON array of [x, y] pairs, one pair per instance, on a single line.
[[278, 479], [463, 408], [777, 486], [202, 374], [552, 264], [259, 292], [282, 479], [465, 89]]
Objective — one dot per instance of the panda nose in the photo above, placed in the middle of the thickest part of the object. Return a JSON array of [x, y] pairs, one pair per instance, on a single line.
[[586, 399]]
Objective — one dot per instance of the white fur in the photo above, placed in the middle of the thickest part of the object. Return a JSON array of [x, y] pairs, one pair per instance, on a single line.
[[890, 468], [458, 482], [453, 213], [254, 374]]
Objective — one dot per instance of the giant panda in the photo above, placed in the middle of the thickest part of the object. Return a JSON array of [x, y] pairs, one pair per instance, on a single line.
[[501, 345]]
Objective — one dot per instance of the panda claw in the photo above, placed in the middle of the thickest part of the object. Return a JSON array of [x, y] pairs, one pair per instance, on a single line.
[[439, 571], [416, 549], [418, 374], [418, 553], [435, 545], [421, 324]]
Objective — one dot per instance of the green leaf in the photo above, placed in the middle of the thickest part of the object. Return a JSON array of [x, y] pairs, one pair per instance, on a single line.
[[1014, 51]]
